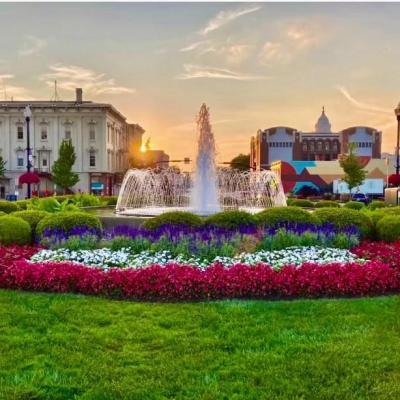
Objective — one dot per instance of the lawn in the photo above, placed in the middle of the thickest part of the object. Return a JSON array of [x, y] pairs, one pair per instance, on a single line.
[[76, 347]]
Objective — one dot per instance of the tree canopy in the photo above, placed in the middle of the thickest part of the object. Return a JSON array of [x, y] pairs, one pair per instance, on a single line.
[[62, 167], [354, 174], [241, 162]]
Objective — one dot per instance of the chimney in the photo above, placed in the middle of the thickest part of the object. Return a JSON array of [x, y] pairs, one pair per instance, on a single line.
[[79, 95]]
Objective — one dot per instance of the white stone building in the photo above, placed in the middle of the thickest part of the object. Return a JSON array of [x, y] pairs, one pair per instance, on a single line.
[[100, 134]]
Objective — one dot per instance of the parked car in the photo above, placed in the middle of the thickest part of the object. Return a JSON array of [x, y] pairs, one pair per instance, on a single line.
[[361, 197]]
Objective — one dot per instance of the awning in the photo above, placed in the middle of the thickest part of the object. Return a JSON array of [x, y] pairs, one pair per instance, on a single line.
[[97, 186], [28, 177]]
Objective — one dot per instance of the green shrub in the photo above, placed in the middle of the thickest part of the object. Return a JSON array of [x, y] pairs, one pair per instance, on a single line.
[[301, 203], [173, 218], [68, 220], [110, 200], [327, 204], [379, 213], [52, 205], [276, 215], [2, 214], [32, 217], [354, 205], [388, 228], [8, 206], [342, 217], [231, 219], [376, 204], [86, 200], [23, 204], [289, 201], [14, 230]]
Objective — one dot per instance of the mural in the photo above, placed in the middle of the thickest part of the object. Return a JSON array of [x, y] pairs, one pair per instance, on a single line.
[[320, 175]]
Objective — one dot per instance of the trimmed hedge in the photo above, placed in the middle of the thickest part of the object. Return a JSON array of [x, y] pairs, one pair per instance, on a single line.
[[327, 204], [376, 204], [342, 217], [173, 218], [388, 228], [22, 204], [301, 203], [67, 221], [14, 230], [354, 205], [32, 217], [277, 215], [8, 206], [231, 219], [110, 200]]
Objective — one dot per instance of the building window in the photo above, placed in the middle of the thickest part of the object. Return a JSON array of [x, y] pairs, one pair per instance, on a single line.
[[327, 146], [67, 134], [312, 146], [92, 159], [44, 162], [20, 160], [20, 132], [92, 132], [43, 133], [319, 146]]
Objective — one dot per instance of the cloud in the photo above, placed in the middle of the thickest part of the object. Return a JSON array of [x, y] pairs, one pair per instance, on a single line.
[[199, 71], [224, 17], [8, 91], [360, 104], [69, 77], [32, 45], [194, 46], [294, 39]]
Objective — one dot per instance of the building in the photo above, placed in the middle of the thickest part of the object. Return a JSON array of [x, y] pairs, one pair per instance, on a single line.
[[289, 144], [103, 140]]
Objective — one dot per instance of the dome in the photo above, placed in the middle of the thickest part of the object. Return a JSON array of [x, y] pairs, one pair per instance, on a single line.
[[323, 125]]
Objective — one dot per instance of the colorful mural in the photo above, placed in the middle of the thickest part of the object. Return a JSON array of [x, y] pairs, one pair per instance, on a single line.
[[320, 174]]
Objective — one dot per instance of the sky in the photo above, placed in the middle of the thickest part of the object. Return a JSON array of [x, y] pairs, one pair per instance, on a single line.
[[256, 65]]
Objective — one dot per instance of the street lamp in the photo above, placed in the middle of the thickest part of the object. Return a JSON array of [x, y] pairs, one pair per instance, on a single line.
[[397, 112], [28, 115]]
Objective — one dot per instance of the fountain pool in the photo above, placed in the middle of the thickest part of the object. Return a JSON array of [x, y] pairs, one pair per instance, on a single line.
[[205, 191]]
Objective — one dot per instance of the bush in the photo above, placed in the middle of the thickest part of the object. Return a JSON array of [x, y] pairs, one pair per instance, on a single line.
[[342, 217], [22, 204], [231, 219], [327, 204], [173, 218], [376, 204], [110, 200], [278, 215], [87, 200], [14, 230], [66, 221], [388, 228], [302, 203], [8, 206], [32, 217], [354, 205]]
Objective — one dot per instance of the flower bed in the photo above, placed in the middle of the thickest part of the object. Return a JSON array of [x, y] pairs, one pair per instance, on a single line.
[[182, 282], [106, 258]]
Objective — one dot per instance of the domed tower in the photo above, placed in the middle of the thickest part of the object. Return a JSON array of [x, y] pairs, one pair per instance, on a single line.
[[323, 125]]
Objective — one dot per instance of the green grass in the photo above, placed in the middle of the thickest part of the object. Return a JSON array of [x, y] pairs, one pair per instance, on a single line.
[[74, 347]]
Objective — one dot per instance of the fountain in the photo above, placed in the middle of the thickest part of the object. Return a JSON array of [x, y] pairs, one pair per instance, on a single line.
[[208, 190]]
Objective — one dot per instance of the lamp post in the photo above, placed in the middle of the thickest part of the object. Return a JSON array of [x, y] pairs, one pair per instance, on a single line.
[[397, 112], [28, 115]]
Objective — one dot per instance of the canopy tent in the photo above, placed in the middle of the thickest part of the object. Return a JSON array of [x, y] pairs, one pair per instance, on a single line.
[[28, 177]]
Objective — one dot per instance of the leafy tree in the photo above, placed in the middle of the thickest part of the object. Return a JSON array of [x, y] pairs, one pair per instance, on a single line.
[[62, 168], [354, 174], [241, 162], [2, 167]]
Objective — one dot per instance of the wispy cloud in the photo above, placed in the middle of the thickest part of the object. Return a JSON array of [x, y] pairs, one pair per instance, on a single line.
[[69, 77], [194, 46], [202, 71], [362, 105], [8, 90], [225, 17], [32, 45], [295, 38]]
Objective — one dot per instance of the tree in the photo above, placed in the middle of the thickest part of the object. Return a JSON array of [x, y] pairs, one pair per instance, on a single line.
[[241, 162], [2, 167], [354, 174], [62, 168]]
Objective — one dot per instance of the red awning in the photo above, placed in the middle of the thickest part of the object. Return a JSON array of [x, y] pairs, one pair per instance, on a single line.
[[28, 177]]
